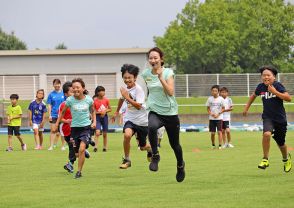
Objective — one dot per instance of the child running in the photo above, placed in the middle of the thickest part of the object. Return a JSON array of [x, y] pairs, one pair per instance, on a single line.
[[226, 118], [102, 107], [37, 112], [273, 94], [136, 120], [215, 108], [81, 106], [14, 113]]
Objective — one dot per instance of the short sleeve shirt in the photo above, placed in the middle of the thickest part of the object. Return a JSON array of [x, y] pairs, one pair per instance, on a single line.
[[273, 107], [101, 105], [80, 110], [37, 109], [215, 105], [228, 104], [55, 99], [14, 111], [65, 127], [158, 101], [138, 117]]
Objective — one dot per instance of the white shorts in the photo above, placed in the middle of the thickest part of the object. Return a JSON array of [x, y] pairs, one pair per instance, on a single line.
[[37, 126]]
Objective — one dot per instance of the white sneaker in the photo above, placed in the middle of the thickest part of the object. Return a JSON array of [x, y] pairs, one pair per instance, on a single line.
[[62, 148], [224, 146], [230, 145], [50, 148], [24, 147]]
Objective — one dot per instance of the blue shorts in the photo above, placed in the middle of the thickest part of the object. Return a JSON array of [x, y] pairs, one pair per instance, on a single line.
[[102, 123]]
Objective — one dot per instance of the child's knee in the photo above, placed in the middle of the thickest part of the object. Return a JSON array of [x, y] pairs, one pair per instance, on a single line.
[[267, 134]]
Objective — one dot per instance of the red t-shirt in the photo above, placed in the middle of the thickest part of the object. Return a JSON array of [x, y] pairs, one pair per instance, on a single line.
[[101, 105], [65, 127]]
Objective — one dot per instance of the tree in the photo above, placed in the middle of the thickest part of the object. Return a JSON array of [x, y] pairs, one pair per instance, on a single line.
[[10, 42], [230, 36], [61, 46]]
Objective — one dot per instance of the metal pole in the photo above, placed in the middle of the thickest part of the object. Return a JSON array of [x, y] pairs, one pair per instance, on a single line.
[[248, 85], [187, 85]]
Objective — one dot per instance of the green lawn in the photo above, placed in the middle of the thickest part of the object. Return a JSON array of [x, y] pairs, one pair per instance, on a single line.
[[214, 178]]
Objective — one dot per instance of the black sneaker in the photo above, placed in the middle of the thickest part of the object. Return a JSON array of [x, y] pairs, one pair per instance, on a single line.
[[104, 150], [181, 173], [87, 154], [78, 175], [95, 149], [153, 166], [68, 167], [92, 143]]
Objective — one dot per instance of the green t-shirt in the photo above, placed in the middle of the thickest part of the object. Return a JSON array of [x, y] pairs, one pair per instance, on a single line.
[[158, 101], [14, 111]]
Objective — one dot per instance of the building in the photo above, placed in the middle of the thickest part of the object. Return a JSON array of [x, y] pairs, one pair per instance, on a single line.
[[25, 71]]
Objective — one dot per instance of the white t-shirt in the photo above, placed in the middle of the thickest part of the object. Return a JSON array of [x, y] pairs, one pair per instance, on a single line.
[[138, 117], [215, 105], [228, 104]]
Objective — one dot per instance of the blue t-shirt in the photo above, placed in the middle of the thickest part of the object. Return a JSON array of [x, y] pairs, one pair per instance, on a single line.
[[37, 109], [55, 99], [80, 110], [273, 107]]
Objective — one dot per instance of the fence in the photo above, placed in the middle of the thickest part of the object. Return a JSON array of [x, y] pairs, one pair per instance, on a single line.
[[187, 85], [193, 85]]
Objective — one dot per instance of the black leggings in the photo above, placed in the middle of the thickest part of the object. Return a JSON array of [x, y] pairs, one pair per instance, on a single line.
[[172, 126], [71, 151]]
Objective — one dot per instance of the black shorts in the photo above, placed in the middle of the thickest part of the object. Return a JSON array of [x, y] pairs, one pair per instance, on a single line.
[[278, 130], [215, 124], [226, 124], [53, 121], [81, 134], [142, 132], [14, 129]]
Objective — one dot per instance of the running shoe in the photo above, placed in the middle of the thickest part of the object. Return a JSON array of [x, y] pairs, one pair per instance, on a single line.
[[9, 149], [24, 147], [78, 175], [263, 164], [288, 164], [181, 172], [153, 166], [125, 164], [68, 166]]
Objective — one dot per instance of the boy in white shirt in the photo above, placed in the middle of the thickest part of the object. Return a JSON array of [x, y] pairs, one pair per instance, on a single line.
[[215, 108], [226, 117]]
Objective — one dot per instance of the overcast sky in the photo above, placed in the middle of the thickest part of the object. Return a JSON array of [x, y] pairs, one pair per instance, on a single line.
[[87, 24]]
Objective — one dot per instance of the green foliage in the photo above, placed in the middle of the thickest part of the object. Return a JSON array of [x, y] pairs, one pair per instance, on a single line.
[[10, 42], [61, 46], [221, 36]]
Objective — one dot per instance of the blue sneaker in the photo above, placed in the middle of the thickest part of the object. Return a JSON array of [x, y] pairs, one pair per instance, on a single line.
[[69, 167]]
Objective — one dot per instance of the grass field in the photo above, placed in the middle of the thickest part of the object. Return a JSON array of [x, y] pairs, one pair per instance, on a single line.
[[214, 178]]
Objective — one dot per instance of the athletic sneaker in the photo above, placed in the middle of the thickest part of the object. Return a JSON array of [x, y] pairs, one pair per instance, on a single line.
[[92, 143], [288, 164], [37, 147], [68, 166], [9, 149], [78, 175], [181, 173], [95, 149], [104, 150], [219, 147], [125, 164], [87, 154], [225, 146], [63, 148], [149, 156], [230, 145], [263, 164], [50, 148], [24, 147], [153, 166]]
